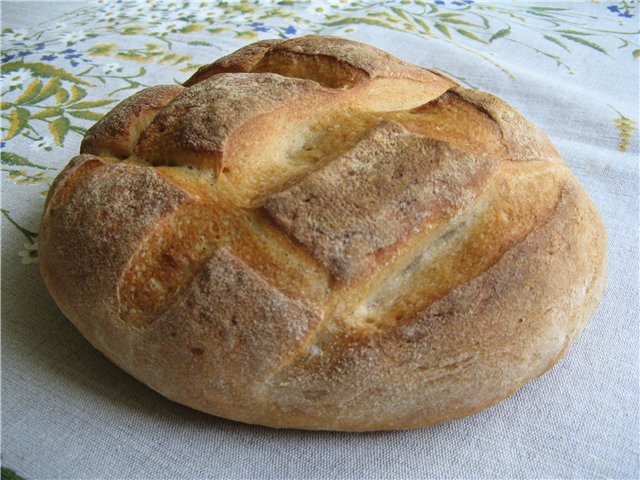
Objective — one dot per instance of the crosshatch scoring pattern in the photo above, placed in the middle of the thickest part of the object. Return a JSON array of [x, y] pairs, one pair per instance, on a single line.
[[298, 198], [352, 151]]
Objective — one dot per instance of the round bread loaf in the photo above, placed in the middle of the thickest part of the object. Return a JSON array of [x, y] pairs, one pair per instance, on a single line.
[[313, 234]]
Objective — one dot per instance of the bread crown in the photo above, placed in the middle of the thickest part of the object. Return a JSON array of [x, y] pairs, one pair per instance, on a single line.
[[312, 233]]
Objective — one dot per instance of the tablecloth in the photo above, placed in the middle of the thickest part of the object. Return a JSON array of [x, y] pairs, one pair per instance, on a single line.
[[67, 412]]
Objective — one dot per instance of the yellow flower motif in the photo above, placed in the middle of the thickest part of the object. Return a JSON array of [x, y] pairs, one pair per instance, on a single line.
[[626, 127], [16, 78]]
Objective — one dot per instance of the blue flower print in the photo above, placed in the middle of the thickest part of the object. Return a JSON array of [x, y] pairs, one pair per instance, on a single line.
[[259, 27], [291, 30], [69, 54], [623, 9]]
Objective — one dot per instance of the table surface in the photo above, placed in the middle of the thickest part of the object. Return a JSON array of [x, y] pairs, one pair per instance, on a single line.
[[67, 412]]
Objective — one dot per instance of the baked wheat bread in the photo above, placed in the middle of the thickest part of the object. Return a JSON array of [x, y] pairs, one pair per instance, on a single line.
[[313, 234]]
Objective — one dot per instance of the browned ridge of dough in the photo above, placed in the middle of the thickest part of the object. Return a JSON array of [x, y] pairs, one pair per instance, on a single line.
[[312, 233]]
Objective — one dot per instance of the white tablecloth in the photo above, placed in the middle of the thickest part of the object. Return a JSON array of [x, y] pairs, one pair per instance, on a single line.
[[67, 412]]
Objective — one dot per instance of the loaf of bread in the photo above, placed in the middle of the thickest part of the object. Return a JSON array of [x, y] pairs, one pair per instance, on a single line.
[[311, 233]]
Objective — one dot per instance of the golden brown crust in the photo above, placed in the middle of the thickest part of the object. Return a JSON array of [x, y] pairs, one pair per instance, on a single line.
[[240, 61], [116, 134], [523, 140], [389, 186], [469, 349], [313, 234], [337, 63], [197, 126]]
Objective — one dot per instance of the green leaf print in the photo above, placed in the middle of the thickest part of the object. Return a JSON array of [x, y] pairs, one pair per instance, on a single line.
[[192, 27], [59, 129], [46, 113], [626, 129], [549, 9], [422, 23], [400, 13], [200, 43], [575, 32], [77, 93], [470, 35], [29, 235], [587, 43], [86, 115], [44, 71], [97, 103], [15, 160], [443, 29], [8, 474], [500, 34], [18, 121], [102, 49], [62, 96], [556, 41], [457, 21], [351, 21], [132, 30], [30, 94], [50, 89]]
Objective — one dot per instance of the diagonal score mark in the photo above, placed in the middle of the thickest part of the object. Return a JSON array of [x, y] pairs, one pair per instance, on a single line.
[[169, 258], [515, 203], [116, 134], [172, 253], [367, 230], [328, 137], [166, 261], [442, 260], [258, 131], [461, 122]]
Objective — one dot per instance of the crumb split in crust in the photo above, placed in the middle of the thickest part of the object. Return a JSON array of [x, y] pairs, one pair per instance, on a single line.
[[313, 234]]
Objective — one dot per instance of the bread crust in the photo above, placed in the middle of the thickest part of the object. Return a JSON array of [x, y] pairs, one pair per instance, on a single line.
[[313, 234]]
